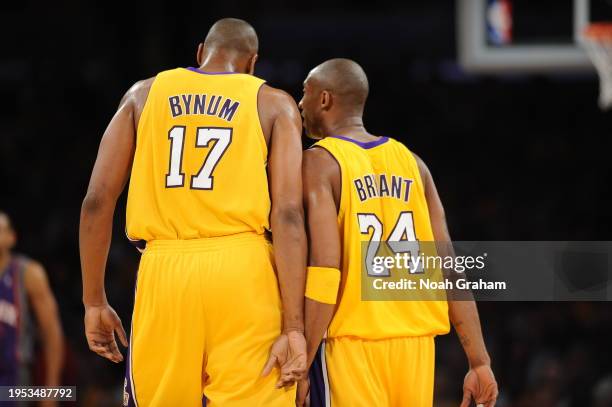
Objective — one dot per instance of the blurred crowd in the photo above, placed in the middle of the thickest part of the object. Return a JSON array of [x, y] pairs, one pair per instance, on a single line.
[[513, 157], [544, 355]]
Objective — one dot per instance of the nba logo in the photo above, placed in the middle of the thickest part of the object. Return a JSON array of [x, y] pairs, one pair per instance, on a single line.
[[499, 22]]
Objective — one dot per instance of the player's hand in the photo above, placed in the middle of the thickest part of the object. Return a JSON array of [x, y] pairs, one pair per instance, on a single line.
[[295, 367], [289, 353], [303, 391], [101, 324], [480, 385]]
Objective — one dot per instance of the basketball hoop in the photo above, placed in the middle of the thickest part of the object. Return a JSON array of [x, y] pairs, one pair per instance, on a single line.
[[598, 42]]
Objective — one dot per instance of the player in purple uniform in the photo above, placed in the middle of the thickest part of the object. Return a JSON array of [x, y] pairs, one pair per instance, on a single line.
[[24, 287]]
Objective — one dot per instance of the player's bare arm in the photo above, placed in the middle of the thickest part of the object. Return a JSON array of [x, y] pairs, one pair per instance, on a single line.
[[321, 175], [281, 120], [47, 316], [109, 176], [321, 198], [479, 384]]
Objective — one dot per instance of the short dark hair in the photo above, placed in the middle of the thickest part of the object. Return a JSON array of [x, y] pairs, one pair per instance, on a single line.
[[233, 34]]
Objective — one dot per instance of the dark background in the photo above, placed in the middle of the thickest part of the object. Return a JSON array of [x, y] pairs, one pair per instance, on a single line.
[[514, 157]]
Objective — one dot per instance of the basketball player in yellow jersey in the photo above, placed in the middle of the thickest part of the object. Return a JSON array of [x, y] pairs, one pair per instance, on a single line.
[[358, 187], [214, 153]]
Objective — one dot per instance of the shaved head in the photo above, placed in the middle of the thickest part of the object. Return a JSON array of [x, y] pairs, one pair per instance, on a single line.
[[335, 92], [345, 79], [232, 34]]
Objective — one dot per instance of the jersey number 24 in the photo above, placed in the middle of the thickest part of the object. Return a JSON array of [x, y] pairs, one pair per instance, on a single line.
[[401, 240]]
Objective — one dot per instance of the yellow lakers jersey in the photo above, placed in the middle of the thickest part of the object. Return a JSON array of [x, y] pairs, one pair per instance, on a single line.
[[382, 199], [200, 162]]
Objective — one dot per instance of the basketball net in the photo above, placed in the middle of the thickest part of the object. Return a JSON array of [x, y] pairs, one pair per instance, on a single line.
[[597, 39]]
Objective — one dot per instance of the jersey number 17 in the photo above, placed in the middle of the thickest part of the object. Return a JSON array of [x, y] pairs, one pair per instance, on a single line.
[[204, 179]]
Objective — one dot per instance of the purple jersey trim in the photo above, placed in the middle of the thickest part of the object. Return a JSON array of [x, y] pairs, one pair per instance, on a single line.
[[196, 70], [319, 391], [10, 335], [366, 145], [140, 245], [129, 387]]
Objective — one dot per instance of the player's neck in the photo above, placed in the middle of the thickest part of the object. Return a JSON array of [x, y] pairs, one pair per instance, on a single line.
[[218, 63], [351, 127], [218, 68]]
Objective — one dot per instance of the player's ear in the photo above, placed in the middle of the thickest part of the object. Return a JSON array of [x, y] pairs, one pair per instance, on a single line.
[[252, 61], [326, 100], [199, 53]]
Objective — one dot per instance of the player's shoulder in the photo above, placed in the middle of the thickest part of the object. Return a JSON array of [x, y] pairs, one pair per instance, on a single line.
[[142, 84], [400, 145], [422, 167], [136, 96], [34, 275], [319, 162], [29, 266], [317, 154], [272, 92], [21, 259], [276, 99], [139, 89], [407, 150], [272, 104]]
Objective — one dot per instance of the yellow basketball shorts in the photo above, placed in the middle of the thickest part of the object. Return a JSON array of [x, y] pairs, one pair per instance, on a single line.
[[205, 316], [395, 372]]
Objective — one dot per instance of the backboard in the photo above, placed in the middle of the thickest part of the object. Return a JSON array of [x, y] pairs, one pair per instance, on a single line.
[[503, 36]]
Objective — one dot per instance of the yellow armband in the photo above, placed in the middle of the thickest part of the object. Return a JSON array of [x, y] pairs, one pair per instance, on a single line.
[[322, 284]]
